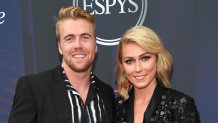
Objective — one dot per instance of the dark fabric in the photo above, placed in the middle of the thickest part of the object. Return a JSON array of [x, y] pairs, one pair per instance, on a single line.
[[42, 98], [93, 110], [166, 106]]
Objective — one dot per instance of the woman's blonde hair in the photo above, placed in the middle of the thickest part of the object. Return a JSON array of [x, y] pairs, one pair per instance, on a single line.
[[148, 40]]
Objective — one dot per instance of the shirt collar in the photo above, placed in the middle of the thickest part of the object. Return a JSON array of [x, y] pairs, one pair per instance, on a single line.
[[92, 88]]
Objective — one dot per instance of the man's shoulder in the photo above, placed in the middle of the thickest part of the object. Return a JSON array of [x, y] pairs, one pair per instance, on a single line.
[[105, 89], [102, 84], [41, 76]]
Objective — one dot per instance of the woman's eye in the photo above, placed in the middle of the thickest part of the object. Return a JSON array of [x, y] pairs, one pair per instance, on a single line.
[[128, 61], [145, 58]]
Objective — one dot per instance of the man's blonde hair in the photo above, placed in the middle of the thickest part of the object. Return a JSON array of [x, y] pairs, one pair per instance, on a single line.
[[74, 12]]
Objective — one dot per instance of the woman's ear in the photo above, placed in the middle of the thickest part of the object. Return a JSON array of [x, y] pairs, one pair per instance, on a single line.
[[122, 68]]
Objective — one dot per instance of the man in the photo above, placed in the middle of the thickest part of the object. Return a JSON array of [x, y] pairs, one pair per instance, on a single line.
[[70, 93]]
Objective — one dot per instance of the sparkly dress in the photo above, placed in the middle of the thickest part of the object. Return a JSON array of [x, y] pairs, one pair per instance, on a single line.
[[166, 106]]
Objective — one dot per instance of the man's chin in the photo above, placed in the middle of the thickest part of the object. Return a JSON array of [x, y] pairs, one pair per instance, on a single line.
[[80, 69]]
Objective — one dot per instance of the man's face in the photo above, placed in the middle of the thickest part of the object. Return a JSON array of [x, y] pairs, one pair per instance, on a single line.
[[77, 44]]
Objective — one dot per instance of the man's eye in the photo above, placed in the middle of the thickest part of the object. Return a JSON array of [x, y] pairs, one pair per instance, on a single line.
[[68, 40], [85, 37]]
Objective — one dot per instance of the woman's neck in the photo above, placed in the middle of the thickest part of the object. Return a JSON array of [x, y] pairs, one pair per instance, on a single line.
[[141, 101], [144, 93]]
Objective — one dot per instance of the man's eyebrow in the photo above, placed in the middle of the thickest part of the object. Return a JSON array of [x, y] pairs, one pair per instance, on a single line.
[[85, 33]]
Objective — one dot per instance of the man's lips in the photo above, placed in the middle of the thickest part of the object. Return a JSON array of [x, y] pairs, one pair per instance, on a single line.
[[79, 55]]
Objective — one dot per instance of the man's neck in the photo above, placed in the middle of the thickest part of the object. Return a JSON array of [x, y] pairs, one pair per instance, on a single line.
[[79, 80]]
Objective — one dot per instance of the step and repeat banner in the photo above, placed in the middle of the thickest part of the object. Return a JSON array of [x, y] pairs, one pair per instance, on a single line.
[[188, 29]]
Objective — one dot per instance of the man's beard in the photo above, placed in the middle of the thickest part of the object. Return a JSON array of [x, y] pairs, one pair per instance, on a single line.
[[84, 68]]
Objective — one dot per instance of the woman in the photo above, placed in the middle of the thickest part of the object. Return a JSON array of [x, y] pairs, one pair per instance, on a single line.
[[143, 66]]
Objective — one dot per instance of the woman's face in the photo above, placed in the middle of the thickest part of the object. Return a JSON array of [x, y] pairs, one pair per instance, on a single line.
[[139, 65]]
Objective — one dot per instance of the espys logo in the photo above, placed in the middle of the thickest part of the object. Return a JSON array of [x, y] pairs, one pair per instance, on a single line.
[[114, 17], [2, 16]]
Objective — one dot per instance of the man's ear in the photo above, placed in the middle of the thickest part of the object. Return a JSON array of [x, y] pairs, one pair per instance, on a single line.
[[59, 48], [96, 49]]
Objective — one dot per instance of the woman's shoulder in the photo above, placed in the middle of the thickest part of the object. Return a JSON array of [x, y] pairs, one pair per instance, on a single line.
[[182, 105], [176, 96], [120, 100], [121, 109], [120, 104]]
